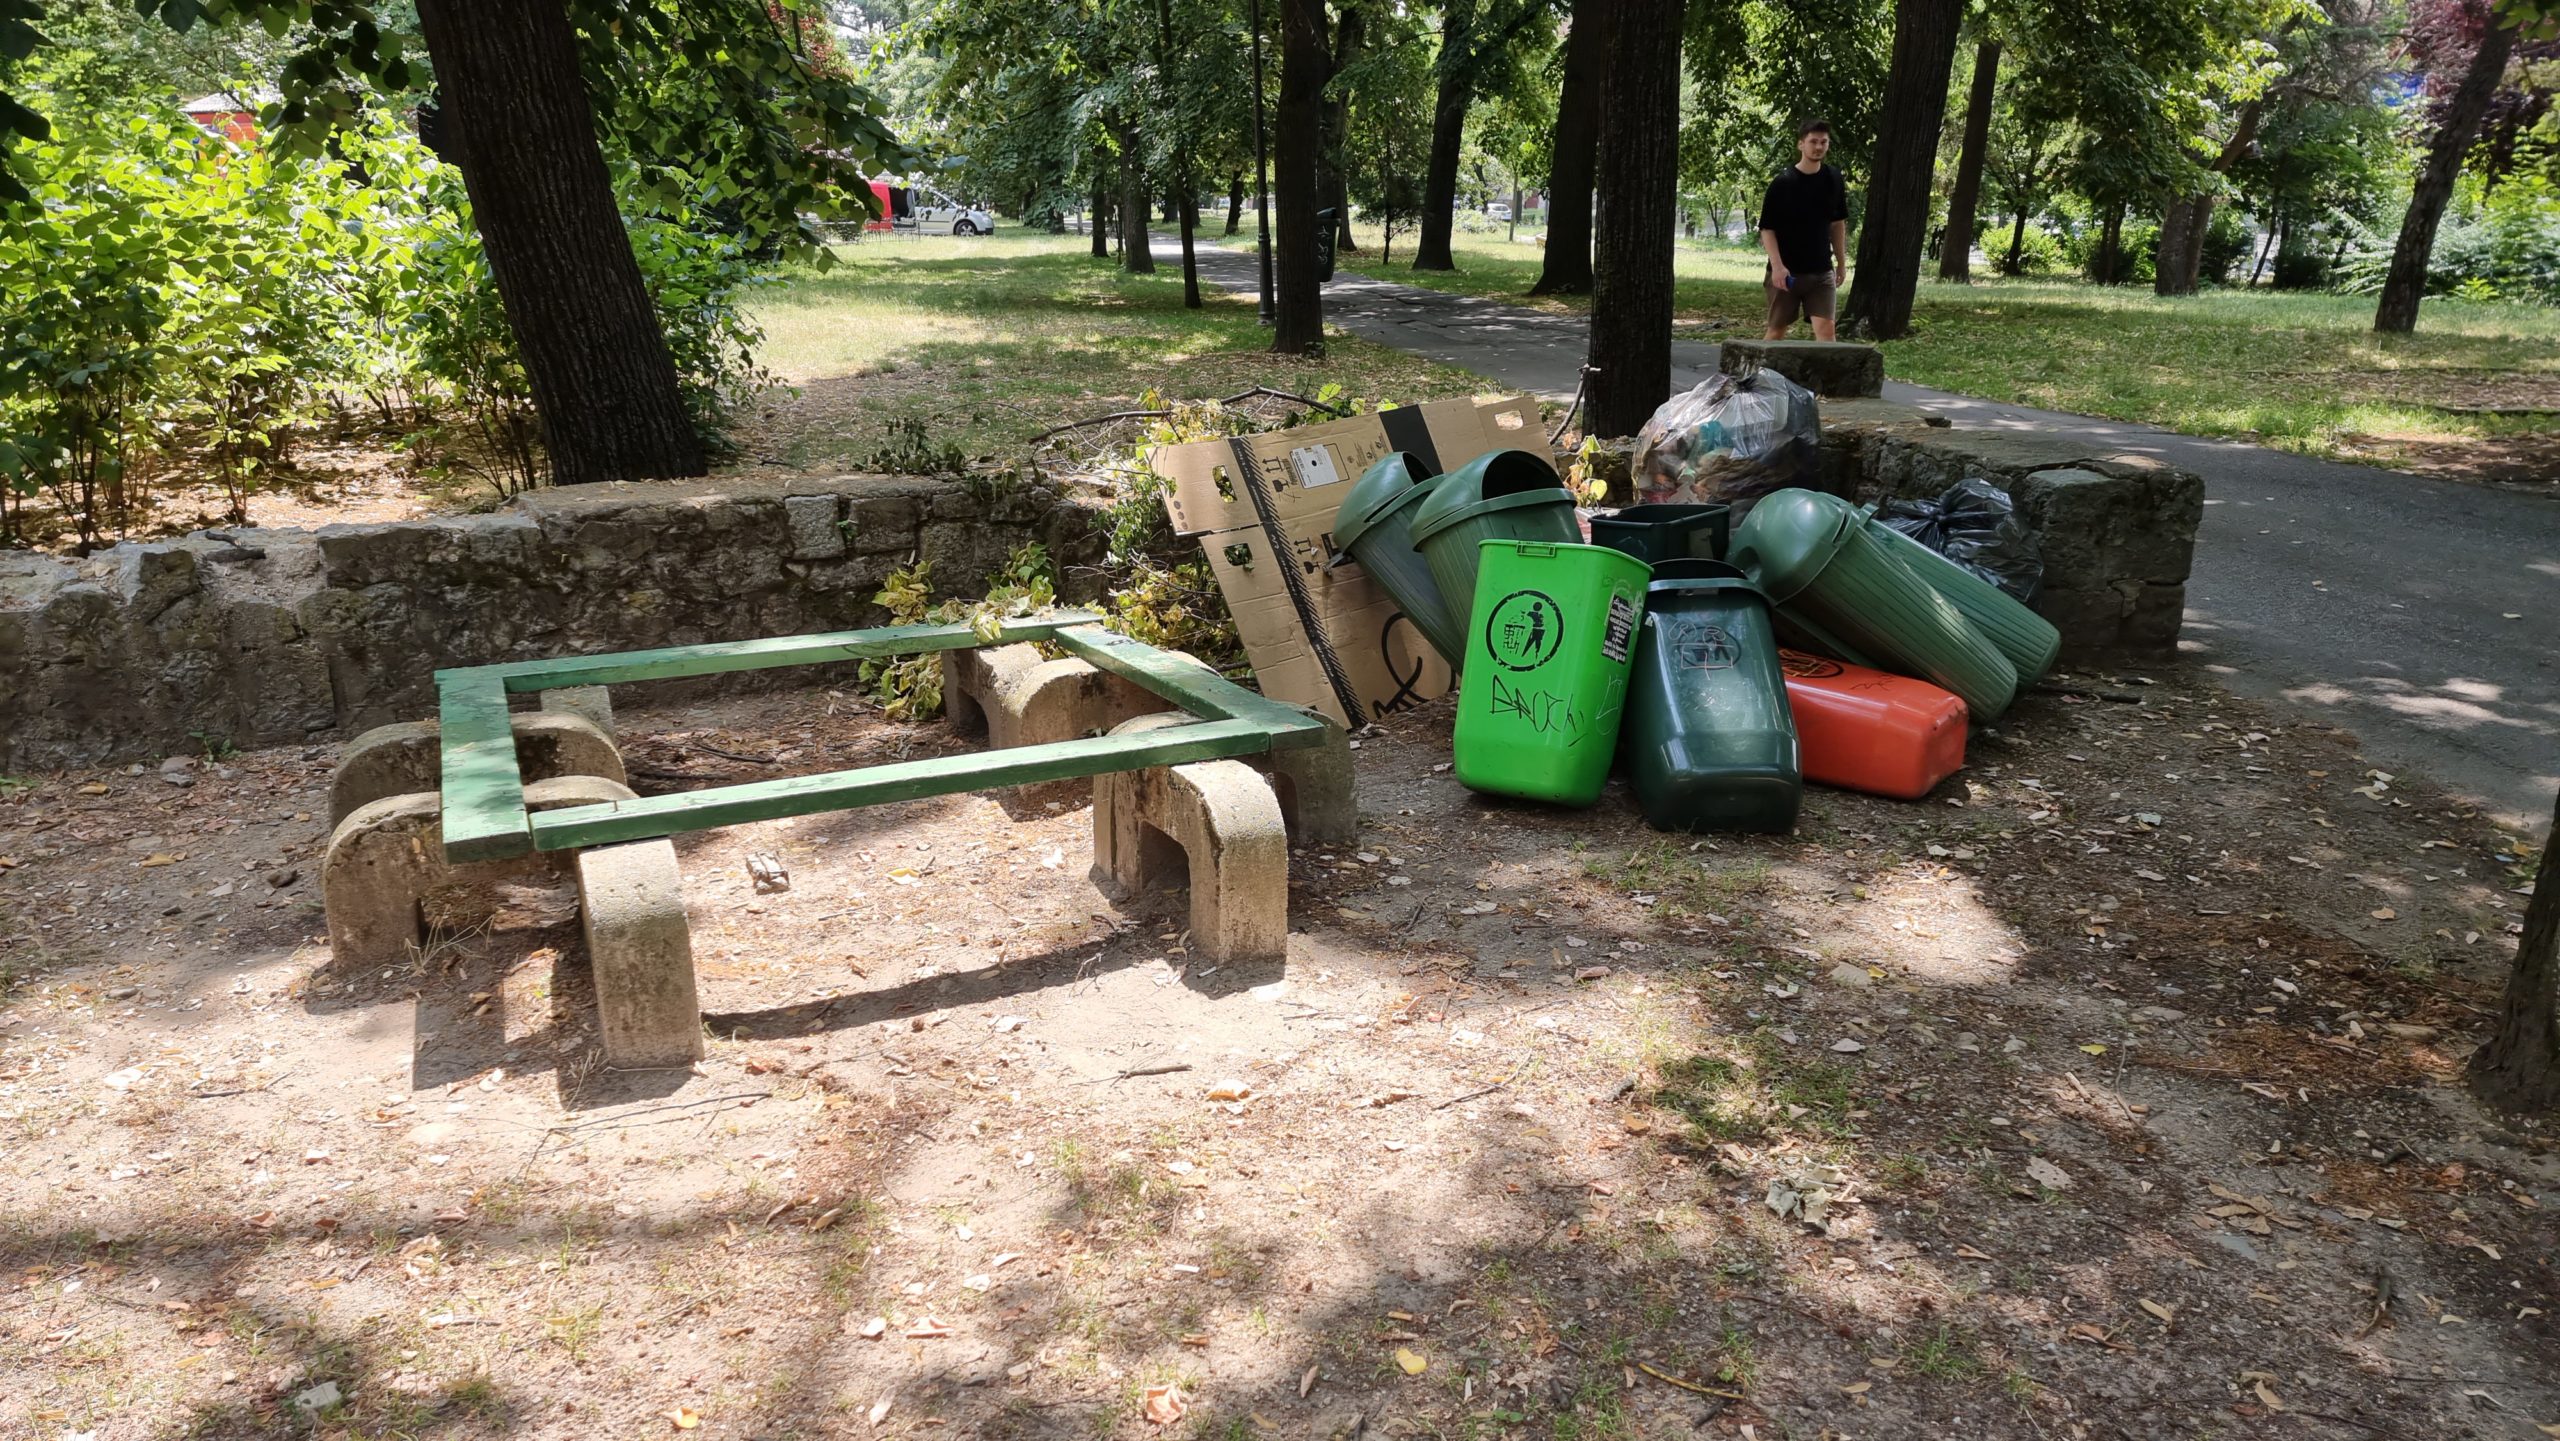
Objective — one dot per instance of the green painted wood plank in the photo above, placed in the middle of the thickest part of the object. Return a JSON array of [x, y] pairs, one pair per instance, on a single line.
[[484, 816], [726, 656], [1194, 688], [649, 816]]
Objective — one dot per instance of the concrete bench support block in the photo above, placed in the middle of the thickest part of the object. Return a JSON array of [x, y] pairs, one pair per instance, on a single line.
[[1318, 793], [1825, 367], [631, 901], [1022, 700], [1218, 821], [401, 759], [388, 855], [595, 702]]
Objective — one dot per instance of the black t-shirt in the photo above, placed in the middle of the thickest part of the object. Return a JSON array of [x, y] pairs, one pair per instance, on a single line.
[[1800, 208]]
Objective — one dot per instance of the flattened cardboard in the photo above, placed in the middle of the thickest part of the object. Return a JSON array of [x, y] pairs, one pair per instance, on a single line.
[[1390, 666], [1307, 470]]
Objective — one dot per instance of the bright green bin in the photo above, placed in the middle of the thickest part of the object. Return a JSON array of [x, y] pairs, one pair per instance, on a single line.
[[2026, 638], [1499, 495], [1375, 528], [1549, 643], [1814, 555]]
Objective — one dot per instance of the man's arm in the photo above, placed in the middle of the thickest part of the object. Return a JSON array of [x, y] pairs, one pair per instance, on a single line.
[[1839, 252], [1769, 247]]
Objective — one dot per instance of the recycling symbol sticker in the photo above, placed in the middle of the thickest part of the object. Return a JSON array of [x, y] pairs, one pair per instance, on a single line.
[[1525, 630]]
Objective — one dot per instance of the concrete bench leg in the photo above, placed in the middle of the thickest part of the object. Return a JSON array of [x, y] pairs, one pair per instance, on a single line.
[[1022, 700], [631, 901], [594, 702], [388, 855], [402, 759], [1218, 821], [1319, 797]]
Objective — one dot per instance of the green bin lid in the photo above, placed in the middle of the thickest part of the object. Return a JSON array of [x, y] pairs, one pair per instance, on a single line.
[[1393, 481], [1789, 538], [1690, 574], [1439, 513]]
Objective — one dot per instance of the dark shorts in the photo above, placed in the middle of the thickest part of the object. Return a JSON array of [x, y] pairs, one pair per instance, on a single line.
[[1812, 296]]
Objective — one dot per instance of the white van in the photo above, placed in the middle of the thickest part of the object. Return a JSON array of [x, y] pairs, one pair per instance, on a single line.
[[938, 214]]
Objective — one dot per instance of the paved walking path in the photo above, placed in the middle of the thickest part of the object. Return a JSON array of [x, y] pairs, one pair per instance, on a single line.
[[2376, 600]]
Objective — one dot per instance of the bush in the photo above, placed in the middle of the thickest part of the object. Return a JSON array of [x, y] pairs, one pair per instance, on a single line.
[[2501, 246], [2137, 249], [2226, 245], [2298, 266], [2039, 252]]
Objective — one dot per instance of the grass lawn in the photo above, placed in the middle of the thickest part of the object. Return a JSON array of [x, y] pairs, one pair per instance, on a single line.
[[2296, 371], [987, 341]]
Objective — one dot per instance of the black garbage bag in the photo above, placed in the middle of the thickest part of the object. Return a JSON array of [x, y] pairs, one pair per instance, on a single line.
[[1730, 441], [1976, 525]]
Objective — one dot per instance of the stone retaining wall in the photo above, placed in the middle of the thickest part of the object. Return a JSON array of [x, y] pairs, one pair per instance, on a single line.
[[273, 636]]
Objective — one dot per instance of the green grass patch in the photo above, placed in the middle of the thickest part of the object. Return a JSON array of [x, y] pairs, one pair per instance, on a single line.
[[924, 347], [1766, 1089], [2292, 370]]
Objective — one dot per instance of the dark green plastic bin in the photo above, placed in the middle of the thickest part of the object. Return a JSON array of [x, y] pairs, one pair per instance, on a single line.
[[1815, 556], [1656, 533], [2026, 638], [1375, 528], [1499, 495], [1709, 737]]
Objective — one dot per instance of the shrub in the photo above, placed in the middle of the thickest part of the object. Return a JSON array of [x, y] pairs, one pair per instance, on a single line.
[[2226, 244], [2039, 253]]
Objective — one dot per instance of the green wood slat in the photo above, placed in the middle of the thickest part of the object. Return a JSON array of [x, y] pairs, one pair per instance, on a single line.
[[726, 656], [484, 816], [650, 816], [1194, 688]]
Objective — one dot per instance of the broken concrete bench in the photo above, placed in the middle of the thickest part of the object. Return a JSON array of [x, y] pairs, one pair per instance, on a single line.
[[1187, 788], [1828, 368]]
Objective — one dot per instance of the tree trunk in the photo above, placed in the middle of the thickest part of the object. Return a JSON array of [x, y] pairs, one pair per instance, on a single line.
[[1235, 203], [2519, 1069], [1190, 208], [2180, 266], [2017, 241], [1448, 131], [2407, 283], [595, 358], [1349, 33], [1136, 256], [1567, 268], [2264, 250], [1897, 217], [2167, 268], [1297, 122], [1955, 256], [1101, 209], [1638, 166]]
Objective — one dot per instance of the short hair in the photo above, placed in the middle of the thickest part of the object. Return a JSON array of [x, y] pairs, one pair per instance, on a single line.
[[1807, 127]]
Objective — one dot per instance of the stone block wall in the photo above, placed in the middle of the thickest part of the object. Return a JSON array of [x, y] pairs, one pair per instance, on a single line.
[[2118, 529], [274, 636]]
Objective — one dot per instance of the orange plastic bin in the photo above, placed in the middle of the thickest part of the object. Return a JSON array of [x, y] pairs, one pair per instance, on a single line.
[[1864, 730]]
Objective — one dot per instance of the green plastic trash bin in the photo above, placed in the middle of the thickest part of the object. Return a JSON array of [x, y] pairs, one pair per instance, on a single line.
[[1813, 556], [1656, 533], [1499, 495], [1375, 528], [2026, 638], [1710, 737], [1549, 644]]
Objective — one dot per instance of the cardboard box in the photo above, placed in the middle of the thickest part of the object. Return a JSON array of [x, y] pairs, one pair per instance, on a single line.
[[1291, 610], [1305, 471]]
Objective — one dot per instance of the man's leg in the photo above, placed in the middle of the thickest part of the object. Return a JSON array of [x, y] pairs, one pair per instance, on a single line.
[[1819, 307], [1782, 311]]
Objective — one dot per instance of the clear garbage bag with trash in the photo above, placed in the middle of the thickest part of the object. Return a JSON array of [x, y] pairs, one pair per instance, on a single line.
[[1730, 441], [1976, 525]]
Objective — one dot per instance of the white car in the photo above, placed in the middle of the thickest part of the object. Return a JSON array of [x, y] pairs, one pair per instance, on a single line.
[[938, 214], [1497, 211]]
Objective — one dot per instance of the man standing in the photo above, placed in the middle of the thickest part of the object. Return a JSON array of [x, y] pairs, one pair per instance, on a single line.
[[1804, 227]]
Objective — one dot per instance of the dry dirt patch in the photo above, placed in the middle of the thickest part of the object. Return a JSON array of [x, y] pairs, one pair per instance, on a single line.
[[2125, 1108]]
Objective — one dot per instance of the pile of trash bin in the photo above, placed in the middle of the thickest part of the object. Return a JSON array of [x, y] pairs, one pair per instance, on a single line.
[[1730, 638]]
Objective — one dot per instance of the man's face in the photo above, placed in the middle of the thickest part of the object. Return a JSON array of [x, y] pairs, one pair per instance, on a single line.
[[1813, 145]]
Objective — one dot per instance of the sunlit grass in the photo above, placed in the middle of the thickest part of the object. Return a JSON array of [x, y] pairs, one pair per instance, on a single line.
[[2293, 370]]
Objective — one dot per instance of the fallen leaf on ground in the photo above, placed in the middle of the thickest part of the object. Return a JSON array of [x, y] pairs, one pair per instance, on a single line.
[[2049, 1175], [880, 1408], [926, 1329], [1307, 1383], [684, 1418], [2164, 1313], [1164, 1404], [1411, 1361]]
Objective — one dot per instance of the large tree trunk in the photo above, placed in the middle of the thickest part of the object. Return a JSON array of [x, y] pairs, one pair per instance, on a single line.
[[1349, 33], [2110, 246], [2407, 283], [1567, 270], [1101, 208], [2519, 1069], [1235, 203], [2017, 242], [595, 358], [1891, 237], [1136, 256], [1955, 256], [1637, 168], [1190, 206], [2190, 218], [1448, 129], [1297, 122]]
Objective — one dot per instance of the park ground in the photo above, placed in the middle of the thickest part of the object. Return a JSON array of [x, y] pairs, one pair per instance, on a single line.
[[923, 354], [2120, 1078]]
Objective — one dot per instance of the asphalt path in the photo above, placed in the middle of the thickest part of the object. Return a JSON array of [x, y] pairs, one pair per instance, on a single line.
[[2423, 615]]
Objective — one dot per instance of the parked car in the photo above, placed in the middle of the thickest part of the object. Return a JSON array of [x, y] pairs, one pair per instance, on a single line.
[[1497, 211], [923, 210]]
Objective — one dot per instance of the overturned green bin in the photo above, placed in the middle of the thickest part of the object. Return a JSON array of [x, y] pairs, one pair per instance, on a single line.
[[1375, 528], [1499, 495], [1549, 644]]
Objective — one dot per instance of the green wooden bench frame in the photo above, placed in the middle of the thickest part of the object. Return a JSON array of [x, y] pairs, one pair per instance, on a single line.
[[484, 815]]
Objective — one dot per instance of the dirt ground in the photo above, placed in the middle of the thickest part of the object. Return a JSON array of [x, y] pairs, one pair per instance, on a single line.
[[2113, 1091]]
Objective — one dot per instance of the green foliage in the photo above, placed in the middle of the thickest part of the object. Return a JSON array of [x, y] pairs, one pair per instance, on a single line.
[[2039, 251], [909, 688], [2226, 245], [2501, 245]]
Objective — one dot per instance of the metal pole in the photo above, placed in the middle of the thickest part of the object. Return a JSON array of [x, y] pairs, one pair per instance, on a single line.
[[1261, 168]]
